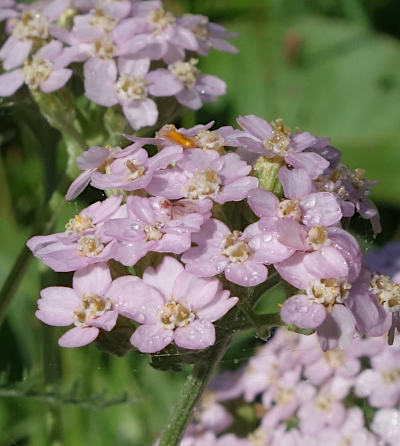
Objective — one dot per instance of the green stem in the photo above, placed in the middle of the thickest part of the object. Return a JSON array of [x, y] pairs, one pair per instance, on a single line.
[[191, 393]]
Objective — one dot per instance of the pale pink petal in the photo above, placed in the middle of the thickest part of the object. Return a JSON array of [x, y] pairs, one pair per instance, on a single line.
[[313, 163], [163, 83], [50, 51], [133, 67], [267, 249], [293, 271], [263, 203], [300, 311], [248, 273], [320, 208], [106, 321], [141, 114], [292, 234], [56, 80], [79, 185], [256, 126], [14, 52], [57, 305], [195, 291], [165, 157], [78, 337], [164, 277], [217, 309], [10, 82], [136, 300], [190, 98], [100, 76], [196, 336], [337, 331], [151, 338], [326, 263], [210, 85], [237, 190], [94, 279], [296, 182]]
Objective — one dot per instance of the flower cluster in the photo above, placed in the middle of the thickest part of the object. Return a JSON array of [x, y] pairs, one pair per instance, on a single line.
[[133, 52], [292, 394], [179, 202]]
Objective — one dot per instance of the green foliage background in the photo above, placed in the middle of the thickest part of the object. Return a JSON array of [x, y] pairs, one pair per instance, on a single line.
[[328, 66]]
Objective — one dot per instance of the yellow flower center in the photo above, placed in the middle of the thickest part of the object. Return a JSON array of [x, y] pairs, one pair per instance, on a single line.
[[205, 183], [186, 72], [91, 306], [174, 315], [79, 223], [236, 250]]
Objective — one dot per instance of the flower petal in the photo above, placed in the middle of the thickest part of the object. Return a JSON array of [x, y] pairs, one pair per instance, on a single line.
[[196, 336], [300, 311], [78, 337], [151, 338]]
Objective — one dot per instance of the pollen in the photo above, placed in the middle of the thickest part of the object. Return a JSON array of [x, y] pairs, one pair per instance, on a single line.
[[174, 315], [31, 25], [205, 183], [318, 236], [388, 292], [89, 246], [136, 172], [36, 71], [280, 141], [104, 48], [329, 292], [208, 140], [160, 20], [91, 307], [102, 20], [185, 72], [236, 250], [132, 89], [289, 208], [153, 232], [79, 223]]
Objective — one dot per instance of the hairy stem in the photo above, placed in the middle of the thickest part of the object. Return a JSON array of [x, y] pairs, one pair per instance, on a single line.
[[191, 393]]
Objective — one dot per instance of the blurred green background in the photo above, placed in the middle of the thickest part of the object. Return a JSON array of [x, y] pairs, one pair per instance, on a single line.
[[328, 66]]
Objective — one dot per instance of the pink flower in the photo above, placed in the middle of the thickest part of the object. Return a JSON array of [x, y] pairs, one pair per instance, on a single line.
[[155, 224], [381, 383], [173, 306], [154, 33], [208, 34], [284, 398], [242, 256], [301, 204], [203, 174], [128, 85], [322, 307], [45, 71], [386, 424], [127, 169], [352, 432], [83, 241], [195, 87], [31, 26], [326, 409], [275, 139], [88, 305]]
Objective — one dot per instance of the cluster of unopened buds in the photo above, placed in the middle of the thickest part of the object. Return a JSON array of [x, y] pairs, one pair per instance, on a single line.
[[223, 207], [132, 52], [290, 393]]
